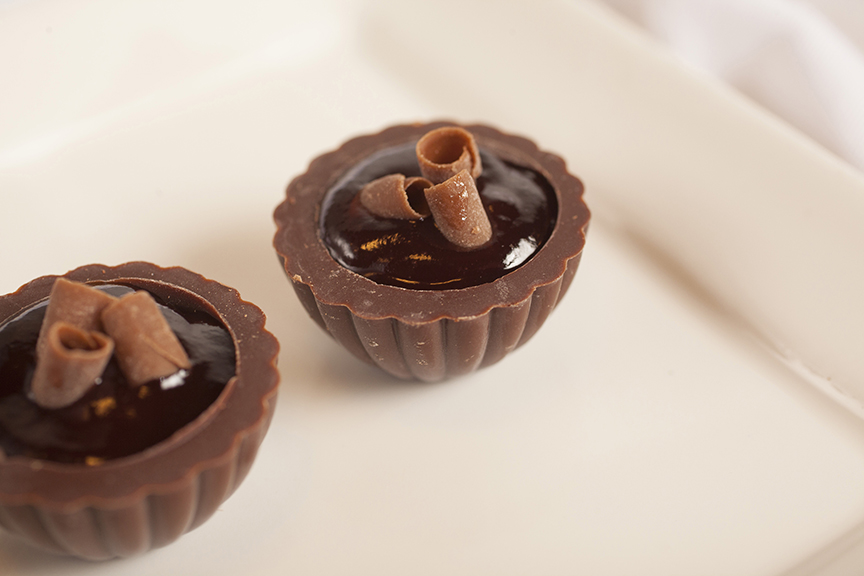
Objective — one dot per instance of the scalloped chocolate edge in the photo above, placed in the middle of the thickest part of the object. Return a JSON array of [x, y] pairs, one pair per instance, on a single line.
[[154, 520], [130, 505], [449, 347], [430, 335], [306, 259]]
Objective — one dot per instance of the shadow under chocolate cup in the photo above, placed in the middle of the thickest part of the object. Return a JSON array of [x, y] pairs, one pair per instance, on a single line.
[[129, 505], [429, 334]]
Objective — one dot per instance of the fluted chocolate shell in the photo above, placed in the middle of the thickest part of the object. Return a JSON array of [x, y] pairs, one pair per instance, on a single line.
[[127, 506], [428, 334]]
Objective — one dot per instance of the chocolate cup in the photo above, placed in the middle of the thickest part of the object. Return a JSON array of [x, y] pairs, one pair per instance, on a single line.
[[127, 506], [428, 334]]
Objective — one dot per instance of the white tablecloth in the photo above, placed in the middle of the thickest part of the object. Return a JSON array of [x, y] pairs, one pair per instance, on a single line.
[[803, 60]]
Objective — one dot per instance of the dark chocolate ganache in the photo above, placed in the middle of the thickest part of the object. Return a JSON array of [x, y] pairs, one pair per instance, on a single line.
[[113, 419], [519, 201]]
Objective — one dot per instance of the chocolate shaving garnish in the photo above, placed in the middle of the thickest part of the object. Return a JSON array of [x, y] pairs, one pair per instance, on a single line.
[[146, 346], [74, 303], [458, 211], [394, 196], [70, 362], [444, 152]]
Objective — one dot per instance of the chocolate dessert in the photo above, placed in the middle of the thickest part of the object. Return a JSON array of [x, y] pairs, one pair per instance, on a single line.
[[133, 400], [432, 250]]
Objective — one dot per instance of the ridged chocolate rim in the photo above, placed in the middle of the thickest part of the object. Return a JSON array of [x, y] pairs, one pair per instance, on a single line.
[[306, 259], [207, 441]]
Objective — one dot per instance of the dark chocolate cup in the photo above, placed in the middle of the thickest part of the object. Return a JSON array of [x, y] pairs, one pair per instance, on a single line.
[[127, 506], [428, 334]]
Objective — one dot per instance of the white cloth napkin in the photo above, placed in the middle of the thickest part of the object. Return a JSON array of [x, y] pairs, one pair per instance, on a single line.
[[801, 59]]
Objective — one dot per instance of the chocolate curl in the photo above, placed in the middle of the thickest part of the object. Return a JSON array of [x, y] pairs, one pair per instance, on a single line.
[[69, 364], [394, 196], [444, 152], [146, 346], [458, 211], [74, 303]]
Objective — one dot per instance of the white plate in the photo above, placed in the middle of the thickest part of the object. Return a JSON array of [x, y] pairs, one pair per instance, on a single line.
[[650, 427]]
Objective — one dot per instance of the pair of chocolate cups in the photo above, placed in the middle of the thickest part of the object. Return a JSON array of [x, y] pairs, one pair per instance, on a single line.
[[129, 505]]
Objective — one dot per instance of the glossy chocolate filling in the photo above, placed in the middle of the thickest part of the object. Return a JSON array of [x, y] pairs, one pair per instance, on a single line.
[[113, 419], [519, 201]]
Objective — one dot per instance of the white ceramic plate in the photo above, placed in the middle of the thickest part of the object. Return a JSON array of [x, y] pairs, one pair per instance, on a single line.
[[693, 406]]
